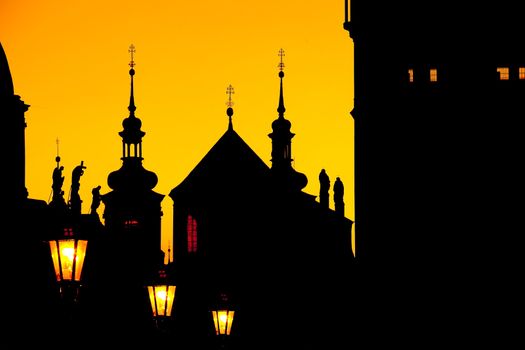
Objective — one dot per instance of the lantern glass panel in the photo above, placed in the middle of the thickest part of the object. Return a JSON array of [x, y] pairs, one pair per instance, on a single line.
[[68, 257], [223, 320], [80, 256], [54, 255], [66, 249], [161, 299]]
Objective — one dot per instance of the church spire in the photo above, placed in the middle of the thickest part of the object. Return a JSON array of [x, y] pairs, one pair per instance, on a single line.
[[132, 175], [281, 135], [281, 108], [6, 81], [132, 135], [131, 106], [282, 142]]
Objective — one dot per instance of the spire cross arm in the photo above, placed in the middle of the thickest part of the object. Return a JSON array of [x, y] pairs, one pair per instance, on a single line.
[[132, 50], [281, 64], [57, 158], [229, 92]]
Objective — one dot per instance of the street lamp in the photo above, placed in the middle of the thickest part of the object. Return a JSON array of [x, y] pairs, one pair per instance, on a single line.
[[161, 296], [223, 318], [68, 253]]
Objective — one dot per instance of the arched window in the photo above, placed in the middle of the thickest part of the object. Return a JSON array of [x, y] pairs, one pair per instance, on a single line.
[[191, 230]]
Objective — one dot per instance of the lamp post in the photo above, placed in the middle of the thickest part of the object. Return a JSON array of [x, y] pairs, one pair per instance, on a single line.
[[161, 296], [68, 253]]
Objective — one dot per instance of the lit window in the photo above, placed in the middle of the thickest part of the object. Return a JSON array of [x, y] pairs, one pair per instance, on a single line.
[[130, 223], [433, 75], [68, 232], [503, 73], [191, 230], [521, 73], [410, 75]]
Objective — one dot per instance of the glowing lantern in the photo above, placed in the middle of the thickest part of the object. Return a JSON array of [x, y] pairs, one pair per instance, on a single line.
[[68, 253], [68, 258], [161, 296], [223, 317]]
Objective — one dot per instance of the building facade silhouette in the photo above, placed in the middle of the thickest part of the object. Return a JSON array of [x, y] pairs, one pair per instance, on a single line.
[[249, 231], [242, 231], [438, 91]]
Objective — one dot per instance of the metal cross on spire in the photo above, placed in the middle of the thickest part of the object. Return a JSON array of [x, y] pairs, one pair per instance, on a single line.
[[281, 64], [132, 50], [229, 111], [229, 92], [57, 158]]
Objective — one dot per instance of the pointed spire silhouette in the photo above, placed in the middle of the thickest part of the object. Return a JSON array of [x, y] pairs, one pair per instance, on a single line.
[[132, 134], [282, 142], [281, 108], [281, 135], [132, 174], [230, 91], [131, 106]]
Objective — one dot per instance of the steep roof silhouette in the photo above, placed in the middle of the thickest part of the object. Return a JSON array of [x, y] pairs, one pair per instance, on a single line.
[[6, 81], [229, 160]]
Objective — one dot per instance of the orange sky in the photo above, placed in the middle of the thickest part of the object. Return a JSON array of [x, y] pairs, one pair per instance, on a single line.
[[69, 61]]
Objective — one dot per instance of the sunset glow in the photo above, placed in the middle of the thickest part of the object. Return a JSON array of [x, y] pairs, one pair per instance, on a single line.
[[69, 62]]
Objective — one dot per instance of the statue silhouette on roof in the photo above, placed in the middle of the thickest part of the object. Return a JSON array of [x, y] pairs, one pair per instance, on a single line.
[[324, 183], [95, 202], [339, 191], [75, 202], [57, 199]]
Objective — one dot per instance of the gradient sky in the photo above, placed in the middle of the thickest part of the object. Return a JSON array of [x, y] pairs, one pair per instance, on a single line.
[[69, 61]]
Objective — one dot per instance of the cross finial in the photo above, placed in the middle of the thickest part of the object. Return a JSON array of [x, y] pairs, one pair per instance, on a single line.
[[132, 50], [57, 158], [229, 92], [229, 111], [281, 64]]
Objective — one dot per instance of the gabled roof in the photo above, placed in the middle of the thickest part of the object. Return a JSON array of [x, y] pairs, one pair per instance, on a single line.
[[229, 161]]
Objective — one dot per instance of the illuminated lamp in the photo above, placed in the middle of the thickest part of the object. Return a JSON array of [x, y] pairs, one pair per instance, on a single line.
[[68, 254], [161, 296], [223, 317]]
